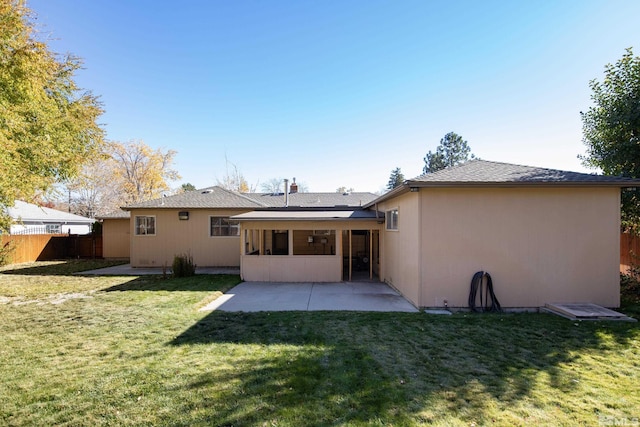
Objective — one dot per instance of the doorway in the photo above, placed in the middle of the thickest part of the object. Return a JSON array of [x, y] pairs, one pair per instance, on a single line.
[[360, 255]]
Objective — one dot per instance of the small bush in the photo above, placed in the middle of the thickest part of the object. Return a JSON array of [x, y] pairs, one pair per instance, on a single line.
[[183, 266], [6, 252]]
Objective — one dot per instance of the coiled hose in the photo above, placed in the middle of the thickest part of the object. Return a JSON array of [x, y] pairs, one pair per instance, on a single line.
[[476, 287]]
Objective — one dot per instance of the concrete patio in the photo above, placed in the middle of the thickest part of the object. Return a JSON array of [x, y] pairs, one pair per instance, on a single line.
[[343, 296], [278, 296]]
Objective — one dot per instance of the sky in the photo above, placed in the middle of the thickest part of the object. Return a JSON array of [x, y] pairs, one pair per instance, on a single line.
[[340, 93]]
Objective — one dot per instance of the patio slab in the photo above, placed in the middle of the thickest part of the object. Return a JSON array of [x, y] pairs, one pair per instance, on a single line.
[[343, 296]]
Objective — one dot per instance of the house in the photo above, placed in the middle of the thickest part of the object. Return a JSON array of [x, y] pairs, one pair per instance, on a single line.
[[203, 223], [33, 219], [545, 236]]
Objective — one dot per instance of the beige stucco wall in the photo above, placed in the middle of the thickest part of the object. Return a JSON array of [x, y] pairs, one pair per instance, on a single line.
[[115, 238], [299, 268], [400, 249], [540, 245], [174, 237]]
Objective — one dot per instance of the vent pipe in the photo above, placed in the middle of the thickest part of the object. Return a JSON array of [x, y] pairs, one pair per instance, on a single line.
[[286, 193]]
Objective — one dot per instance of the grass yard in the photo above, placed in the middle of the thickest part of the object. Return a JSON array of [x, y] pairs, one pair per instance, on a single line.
[[79, 350]]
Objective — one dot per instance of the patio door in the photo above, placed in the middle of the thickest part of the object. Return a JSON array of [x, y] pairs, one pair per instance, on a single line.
[[360, 255]]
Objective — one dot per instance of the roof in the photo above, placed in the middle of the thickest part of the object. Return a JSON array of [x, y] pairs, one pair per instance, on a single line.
[[308, 215], [486, 173], [119, 214], [28, 212], [218, 197]]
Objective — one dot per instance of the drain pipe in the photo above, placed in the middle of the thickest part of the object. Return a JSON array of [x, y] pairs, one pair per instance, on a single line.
[[286, 193]]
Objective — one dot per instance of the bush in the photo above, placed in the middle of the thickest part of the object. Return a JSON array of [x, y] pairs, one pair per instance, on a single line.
[[6, 252], [183, 266]]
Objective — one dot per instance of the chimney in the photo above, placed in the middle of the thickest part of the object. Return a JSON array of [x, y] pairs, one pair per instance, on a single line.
[[286, 193], [294, 187]]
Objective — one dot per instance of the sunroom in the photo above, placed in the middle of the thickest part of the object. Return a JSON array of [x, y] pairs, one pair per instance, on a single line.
[[310, 245]]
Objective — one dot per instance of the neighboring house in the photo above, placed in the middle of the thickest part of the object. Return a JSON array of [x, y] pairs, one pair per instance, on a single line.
[[33, 219], [545, 236]]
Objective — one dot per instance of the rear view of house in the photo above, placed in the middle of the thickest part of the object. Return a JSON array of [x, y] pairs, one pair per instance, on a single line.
[[545, 236]]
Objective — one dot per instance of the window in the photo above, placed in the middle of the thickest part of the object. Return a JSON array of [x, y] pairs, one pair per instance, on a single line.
[[53, 228], [145, 226], [392, 219], [223, 226]]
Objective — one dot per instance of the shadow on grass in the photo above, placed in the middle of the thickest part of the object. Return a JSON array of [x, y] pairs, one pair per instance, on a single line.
[[199, 282], [396, 367], [58, 268]]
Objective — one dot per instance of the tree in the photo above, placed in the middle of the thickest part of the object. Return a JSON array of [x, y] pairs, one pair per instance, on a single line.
[[344, 189], [272, 186], [396, 179], [452, 151], [233, 179], [141, 171], [47, 123], [121, 174], [96, 190], [187, 187], [611, 129]]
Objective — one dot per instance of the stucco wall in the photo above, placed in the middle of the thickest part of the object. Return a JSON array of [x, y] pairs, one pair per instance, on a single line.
[[401, 249], [174, 237], [116, 238], [299, 268], [540, 245]]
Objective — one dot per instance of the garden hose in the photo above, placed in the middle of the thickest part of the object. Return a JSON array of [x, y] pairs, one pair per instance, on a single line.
[[476, 287]]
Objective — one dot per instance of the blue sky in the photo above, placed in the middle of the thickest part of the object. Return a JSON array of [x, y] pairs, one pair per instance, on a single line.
[[339, 93]]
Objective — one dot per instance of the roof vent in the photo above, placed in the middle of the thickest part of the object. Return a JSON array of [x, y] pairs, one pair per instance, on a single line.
[[207, 191]]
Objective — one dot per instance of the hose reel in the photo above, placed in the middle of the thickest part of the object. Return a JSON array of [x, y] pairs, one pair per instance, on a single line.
[[480, 282]]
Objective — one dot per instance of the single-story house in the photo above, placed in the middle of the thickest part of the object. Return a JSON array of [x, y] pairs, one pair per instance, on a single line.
[[545, 236], [33, 219]]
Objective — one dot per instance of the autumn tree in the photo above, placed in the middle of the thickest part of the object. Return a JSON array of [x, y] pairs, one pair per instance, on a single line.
[[611, 129], [95, 190], [395, 179], [122, 174], [452, 151], [142, 172], [48, 125], [233, 179]]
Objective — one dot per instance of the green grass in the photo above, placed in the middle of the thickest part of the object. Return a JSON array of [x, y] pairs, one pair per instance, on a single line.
[[136, 351]]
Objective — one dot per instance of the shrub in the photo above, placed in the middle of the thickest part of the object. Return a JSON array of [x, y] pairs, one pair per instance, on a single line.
[[6, 252], [183, 266]]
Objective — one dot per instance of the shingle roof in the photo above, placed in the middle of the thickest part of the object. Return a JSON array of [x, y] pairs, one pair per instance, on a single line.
[[486, 172], [322, 200], [119, 214], [28, 212], [218, 197], [211, 197]]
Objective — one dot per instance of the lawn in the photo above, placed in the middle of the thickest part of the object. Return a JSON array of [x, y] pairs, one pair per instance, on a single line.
[[79, 350]]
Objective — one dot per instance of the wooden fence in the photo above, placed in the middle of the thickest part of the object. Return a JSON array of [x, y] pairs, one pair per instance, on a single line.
[[46, 247], [629, 251]]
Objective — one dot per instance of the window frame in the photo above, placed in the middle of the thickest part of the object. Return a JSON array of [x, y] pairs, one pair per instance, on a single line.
[[231, 224], [53, 228], [137, 228], [391, 219]]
